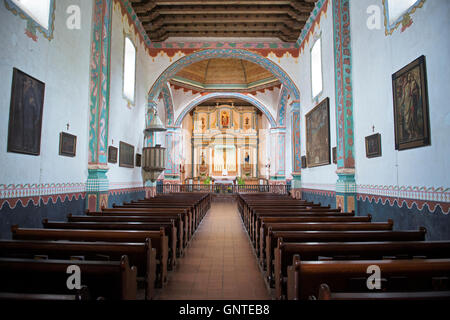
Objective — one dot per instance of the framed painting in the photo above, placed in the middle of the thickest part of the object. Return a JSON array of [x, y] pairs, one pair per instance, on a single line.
[[25, 114], [112, 154], [373, 146], [411, 117], [303, 162], [318, 135], [67, 144], [334, 150], [138, 159], [126, 155]]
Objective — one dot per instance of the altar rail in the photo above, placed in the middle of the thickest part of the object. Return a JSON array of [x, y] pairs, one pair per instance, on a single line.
[[222, 188]]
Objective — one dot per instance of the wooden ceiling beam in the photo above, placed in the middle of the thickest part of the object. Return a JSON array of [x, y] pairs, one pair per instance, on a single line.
[[153, 14], [221, 19], [257, 34]]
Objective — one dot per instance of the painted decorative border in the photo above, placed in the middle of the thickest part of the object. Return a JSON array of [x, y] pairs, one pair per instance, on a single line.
[[24, 193], [420, 204], [284, 97], [116, 192], [32, 25], [312, 23], [440, 194], [99, 81], [168, 104], [36, 190], [320, 192], [405, 19], [296, 142], [343, 84]]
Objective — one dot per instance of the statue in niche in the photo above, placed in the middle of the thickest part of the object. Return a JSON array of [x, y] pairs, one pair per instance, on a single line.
[[225, 119], [247, 158], [202, 159], [247, 123]]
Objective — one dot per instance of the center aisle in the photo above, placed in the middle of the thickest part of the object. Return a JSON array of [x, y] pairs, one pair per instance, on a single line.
[[219, 263]]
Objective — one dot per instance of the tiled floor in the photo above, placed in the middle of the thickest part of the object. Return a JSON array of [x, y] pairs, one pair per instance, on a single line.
[[219, 263]]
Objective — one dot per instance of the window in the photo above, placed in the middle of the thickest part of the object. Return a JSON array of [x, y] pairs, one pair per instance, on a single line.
[[38, 10], [316, 68], [129, 70], [396, 8]]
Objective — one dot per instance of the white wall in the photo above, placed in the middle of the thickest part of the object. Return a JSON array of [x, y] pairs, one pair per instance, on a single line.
[[323, 177], [63, 65], [375, 58], [127, 122]]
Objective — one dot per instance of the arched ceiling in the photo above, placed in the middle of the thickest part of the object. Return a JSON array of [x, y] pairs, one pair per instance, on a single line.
[[224, 74]]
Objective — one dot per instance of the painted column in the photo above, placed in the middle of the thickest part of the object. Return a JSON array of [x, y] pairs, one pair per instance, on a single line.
[[97, 182], [172, 172], [296, 152], [278, 155], [346, 184]]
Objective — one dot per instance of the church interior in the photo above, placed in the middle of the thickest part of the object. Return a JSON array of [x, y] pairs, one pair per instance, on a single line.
[[224, 150]]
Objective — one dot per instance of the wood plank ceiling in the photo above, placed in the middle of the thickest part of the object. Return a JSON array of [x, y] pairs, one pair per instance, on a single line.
[[283, 19]]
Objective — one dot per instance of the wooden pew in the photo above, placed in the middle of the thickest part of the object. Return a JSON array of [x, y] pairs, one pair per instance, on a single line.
[[334, 236], [169, 229], [159, 241], [79, 295], [258, 215], [267, 245], [148, 219], [114, 280], [326, 294], [140, 255], [305, 277], [254, 223], [265, 220], [184, 224], [154, 212], [285, 252]]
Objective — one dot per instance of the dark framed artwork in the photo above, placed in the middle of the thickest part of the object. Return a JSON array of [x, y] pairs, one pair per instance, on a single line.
[[334, 151], [112, 154], [67, 144], [373, 146], [126, 155], [25, 114], [303, 162], [138, 159], [318, 135], [411, 115]]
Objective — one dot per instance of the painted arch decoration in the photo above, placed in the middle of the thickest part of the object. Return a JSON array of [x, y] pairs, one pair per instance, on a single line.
[[166, 96], [173, 69], [237, 95]]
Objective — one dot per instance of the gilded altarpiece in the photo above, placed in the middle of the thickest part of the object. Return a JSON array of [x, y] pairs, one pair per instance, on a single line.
[[225, 141]]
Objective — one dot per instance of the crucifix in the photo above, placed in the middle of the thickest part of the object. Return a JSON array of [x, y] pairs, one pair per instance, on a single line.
[[68, 126], [373, 128]]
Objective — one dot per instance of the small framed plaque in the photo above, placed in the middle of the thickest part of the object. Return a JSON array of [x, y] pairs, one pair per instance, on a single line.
[[112, 154], [67, 144]]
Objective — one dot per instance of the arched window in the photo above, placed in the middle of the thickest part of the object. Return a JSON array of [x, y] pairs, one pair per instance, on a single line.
[[39, 13], [316, 68], [129, 70], [396, 11]]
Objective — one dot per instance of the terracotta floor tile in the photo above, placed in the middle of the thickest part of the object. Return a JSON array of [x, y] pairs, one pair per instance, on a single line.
[[219, 262]]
